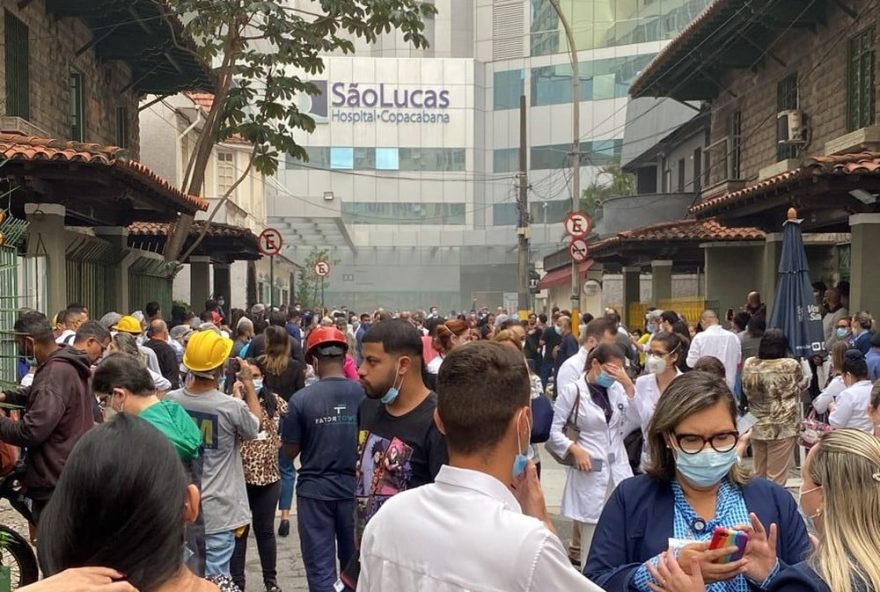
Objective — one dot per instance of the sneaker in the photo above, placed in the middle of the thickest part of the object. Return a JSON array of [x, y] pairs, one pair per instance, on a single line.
[[273, 588], [284, 528]]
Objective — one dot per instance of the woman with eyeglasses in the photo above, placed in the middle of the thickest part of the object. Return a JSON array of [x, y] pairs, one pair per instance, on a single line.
[[694, 484]]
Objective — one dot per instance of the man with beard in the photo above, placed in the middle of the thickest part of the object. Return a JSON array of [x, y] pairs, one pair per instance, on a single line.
[[399, 445]]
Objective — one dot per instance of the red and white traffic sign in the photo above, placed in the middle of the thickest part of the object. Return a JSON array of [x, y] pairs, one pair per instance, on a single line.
[[322, 269], [578, 250], [270, 242], [578, 225]]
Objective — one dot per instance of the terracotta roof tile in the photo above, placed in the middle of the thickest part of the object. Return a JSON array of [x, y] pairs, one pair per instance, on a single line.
[[860, 163], [678, 230], [215, 230], [202, 100], [28, 148]]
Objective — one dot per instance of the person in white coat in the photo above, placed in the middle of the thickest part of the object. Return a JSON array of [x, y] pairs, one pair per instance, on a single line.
[[597, 331], [601, 397], [661, 363], [850, 410]]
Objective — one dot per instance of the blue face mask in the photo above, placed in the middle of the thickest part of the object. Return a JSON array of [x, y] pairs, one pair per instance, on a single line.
[[521, 461], [391, 394], [558, 329], [842, 332], [604, 380], [707, 467]]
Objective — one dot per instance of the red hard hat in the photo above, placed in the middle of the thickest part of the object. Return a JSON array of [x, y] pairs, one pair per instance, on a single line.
[[325, 336]]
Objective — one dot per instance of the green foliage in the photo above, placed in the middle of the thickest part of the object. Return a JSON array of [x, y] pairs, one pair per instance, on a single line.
[[308, 285], [611, 181], [263, 50]]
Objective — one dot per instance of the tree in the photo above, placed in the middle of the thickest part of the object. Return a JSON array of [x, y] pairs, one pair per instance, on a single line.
[[611, 181], [262, 51], [308, 285]]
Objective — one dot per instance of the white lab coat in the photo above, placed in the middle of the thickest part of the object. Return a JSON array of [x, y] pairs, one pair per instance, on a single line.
[[584, 494]]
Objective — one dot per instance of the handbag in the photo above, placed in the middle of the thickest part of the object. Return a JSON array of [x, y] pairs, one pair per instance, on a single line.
[[812, 430], [570, 430], [542, 419]]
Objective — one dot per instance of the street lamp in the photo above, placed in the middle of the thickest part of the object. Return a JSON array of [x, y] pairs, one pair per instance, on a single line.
[[575, 155]]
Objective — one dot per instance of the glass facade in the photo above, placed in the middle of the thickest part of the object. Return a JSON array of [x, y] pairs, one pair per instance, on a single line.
[[609, 23], [381, 159], [385, 212], [508, 87], [600, 79], [506, 214], [556, 156]]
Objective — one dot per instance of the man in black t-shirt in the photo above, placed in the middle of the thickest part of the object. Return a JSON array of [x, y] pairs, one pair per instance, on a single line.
[[550, 340], [321, 426], [399, 445]]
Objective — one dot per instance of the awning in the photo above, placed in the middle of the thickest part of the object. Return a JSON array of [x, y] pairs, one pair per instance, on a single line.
[[562, 276]]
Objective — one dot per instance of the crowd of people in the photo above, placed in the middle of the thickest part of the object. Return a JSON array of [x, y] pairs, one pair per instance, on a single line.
[[152, 448]]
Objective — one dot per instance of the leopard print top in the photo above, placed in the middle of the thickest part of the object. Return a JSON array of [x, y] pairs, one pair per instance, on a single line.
[[260, 456]]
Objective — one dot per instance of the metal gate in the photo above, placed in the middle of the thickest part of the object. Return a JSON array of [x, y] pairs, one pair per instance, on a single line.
[[13, 230], [149, 281]]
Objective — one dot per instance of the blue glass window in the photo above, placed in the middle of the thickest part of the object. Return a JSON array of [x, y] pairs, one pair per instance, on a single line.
[[342, 158], [387, 159], [508, 87]]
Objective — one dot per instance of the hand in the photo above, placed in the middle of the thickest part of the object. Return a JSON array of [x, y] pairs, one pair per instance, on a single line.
[[2, 396], [82, 579], [672, 578], [742, 445], [619, 374], [238, 389], [581, 458], [527, 490], [760, 550], [710, 570], [832, 406], [244, 371]]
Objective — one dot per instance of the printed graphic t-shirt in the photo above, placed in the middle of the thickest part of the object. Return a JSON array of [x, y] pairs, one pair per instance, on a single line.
[[394, 454], [322, 420], [223, 421]]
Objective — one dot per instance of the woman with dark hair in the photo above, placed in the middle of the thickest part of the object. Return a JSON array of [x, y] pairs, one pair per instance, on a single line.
[[597, 402], [694, 485], [850, 409], [263, 479], [123, 502], [661, 365], [773, 384]]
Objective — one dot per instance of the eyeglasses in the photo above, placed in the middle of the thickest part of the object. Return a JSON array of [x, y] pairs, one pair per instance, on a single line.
[[695, 443]]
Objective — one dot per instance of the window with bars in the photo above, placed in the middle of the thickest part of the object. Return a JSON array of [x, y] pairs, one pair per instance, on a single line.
[[17, 61], [123, 134], [77, 108], [225, 172], [786, 98], [860, 81], [680, 186]]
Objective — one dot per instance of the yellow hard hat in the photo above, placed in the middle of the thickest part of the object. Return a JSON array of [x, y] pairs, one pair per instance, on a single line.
[[128, 324], [206, 350]]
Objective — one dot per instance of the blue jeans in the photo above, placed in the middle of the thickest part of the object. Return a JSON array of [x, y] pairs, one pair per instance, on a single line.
[[288, 480], [218, 552], [326, 532]]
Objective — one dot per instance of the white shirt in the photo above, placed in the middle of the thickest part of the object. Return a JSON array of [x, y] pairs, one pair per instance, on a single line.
[[584, 495], [852, 408], [831, 392], [152, 360], [433, 367], [66, 337], [718, 343], [464, 532], [571, 369], [645, 402]]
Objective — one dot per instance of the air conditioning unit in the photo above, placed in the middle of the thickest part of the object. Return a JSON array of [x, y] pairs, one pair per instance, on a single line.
[[790, 127]]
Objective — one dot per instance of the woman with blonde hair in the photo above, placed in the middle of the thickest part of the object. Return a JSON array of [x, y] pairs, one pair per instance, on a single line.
[[450, 335]]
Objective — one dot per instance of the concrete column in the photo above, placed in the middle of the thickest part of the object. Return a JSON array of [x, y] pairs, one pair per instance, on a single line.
[[732, 271], [223, 283], [46, 238], [864, 293], [631, 292], [591, 301], [200, 282], [770, 270], [661, 281]]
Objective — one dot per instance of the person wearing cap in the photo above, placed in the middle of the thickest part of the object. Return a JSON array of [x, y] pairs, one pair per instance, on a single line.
[[320, 425], [132, 326], [224, 422]]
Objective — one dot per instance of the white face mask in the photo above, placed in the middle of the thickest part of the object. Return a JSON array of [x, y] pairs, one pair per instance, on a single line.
[[655, 364]]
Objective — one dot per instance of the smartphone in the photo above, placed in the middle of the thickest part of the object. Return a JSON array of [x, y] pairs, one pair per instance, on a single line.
[[724, 537], [596, 465]]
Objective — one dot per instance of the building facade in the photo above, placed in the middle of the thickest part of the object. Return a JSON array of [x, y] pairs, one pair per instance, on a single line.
[[413, 170]]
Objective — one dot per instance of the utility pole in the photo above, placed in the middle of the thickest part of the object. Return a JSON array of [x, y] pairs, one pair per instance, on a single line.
[[575, 157], [522, 229]]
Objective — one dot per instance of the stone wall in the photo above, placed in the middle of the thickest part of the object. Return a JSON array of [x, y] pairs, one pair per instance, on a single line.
[[53, 43], [820, 60]]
